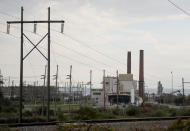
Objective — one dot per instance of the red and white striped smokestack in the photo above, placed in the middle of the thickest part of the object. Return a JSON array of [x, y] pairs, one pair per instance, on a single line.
[[141, 74], [129, 62]]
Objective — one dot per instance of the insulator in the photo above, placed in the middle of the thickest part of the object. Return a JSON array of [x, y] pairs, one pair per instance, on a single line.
[[62, 27], [8, 28], [35, 27]]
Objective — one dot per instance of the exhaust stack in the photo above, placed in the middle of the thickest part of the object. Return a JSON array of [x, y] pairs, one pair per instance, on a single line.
[[129, 62], [141, 74]]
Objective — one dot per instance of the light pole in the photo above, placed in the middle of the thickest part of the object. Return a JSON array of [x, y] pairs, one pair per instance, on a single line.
[[172, 87], [172, 81]]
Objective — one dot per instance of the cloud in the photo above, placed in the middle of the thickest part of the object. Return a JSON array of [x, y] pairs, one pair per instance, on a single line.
[[111, 27]]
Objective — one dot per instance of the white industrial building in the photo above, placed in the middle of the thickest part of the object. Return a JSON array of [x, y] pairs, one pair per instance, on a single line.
[[126, 87], [127, 92]]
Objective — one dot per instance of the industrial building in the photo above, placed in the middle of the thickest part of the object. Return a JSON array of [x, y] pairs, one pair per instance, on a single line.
[[121, 89]]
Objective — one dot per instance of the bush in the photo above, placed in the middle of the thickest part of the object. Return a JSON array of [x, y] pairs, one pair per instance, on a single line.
[[158, 113], [132, 111], [27, 113], [38, 110], [145, 110], [115, 111], [86, 113], [173, 112], [4, 120], [177, 125], [184, 112], [105, 115], [61, 116]]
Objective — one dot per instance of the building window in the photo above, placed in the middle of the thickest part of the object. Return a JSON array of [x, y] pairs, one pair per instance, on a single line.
[[96, 93]]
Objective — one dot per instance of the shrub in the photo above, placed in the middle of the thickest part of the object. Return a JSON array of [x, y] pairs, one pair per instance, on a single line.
[[177, 125], [145, 110], [27, 113], [132, 111], [86, 113], [173, 112], [115, 111], [38, 110], [184, 112], [8, 120], [158, 113], [61, 116], [105, 115]]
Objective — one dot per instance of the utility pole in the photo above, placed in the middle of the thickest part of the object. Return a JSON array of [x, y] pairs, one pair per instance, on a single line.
[[43, 90], [104, 90], [117, 92], [35, 47], [21, 69], [70, 85], [56, 89], [48, 71], [12, 89], [183, 85], [9, 87], [90, 82], [183, 90], [172, 80]]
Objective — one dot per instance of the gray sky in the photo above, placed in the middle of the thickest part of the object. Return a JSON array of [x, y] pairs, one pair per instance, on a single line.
[[96, 27]]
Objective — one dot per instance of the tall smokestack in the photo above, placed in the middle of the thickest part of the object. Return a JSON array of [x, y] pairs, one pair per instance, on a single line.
[[141, 74], [129, 62]]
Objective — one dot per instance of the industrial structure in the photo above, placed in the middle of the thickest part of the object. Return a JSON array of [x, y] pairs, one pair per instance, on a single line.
[[160, 88], [1, 79], [122, 89]]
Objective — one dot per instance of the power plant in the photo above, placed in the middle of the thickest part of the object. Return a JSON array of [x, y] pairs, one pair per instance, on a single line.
[[121, 89]]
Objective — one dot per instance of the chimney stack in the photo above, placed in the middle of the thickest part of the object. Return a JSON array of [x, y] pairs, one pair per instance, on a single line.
[[129, 62], [141, 74]]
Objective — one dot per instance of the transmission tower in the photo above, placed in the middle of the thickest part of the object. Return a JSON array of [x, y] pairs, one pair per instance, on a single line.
[[22, 22]]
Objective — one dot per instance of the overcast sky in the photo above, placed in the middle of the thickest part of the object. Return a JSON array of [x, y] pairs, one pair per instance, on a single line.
[[98, 34]]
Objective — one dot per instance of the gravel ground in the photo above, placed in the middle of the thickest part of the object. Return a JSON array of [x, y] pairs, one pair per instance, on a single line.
[[121, 126]]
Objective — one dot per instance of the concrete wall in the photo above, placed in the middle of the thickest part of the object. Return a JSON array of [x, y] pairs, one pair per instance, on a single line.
[[97, 96], [110, 84], [126, 86]]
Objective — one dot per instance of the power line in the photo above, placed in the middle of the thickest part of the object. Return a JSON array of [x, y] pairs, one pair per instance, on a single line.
[[179, 8], [31, 66], [6, 14], [95, 50], [82, 43], [69, 58], [71, 50], [90, 58], [87, 46]]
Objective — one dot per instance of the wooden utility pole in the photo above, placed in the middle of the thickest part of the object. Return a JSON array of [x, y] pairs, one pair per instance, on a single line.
[[70, 85], [43, 90], [104, 86], [117, 92], [90, 83], [35, 47], [56, 89], [183, 90], [183, 82]]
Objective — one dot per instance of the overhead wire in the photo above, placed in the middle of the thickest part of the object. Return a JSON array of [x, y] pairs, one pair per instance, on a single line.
[[81, 54], [81, 43], [179, 8], [31, 65], [69, 58], [84, 44]]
